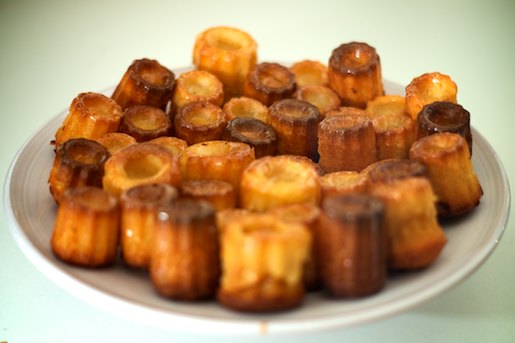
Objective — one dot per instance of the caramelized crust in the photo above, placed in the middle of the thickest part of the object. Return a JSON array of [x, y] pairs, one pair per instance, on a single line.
[[228, 53], [279, 180], [199, 122], [216, 160], [346, 142], [385, 171], [324, 98], [245, 107], [296, 124], [138, 164], [86, 227], [115, 141], [262, 263], [78, 162], [218, 193], [253, 132], [91, 116], [145, 123], [140, 206], [269, 82], [310, 73], [351, 245], [185, 263], [343, 182], [197, 85], [174, 145], [451, 172], [415, 239], [441, 116], [354, 73], [428, 88], [146, 82]]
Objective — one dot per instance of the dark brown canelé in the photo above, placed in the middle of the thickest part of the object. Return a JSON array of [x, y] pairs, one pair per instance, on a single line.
[[296, 124], [78, 162], [145, 123], [254, 132], [184, 263], [146, 82], [351, 245], [354, 73], [269, 82], [442, 116]]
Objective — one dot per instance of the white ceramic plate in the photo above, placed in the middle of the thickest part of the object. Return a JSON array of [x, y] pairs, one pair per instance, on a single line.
[[31, 212]]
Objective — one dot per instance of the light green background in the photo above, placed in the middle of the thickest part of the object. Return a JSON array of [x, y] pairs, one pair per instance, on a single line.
[[52, 50]]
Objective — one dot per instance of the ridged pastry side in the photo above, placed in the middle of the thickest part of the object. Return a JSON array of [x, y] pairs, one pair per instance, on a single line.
[[91, 115], [262, 263], [185, 263], [415, 238], [86, 228], [146, 82], [452, 174], [140, 206]]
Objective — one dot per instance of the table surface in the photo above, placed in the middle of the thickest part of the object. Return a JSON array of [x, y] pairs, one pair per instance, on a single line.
[[53, 50]]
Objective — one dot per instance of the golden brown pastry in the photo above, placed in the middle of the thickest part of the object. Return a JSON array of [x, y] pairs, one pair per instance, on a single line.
[[174, 145], [296, 124], [415, 238], [228, 53], [324, 98], [343, 182], [351, 245], [138, 164], [269, 82], [279, 180], [245, 107], [216, 160], [354, 73], [394, 135], [146, 82], [428, 88], [199, 121], [308, 215], [140, 206], [197, 85], [310, 73], [262, 263], [91, 116], [86, 227], [78, 162], [346, 142], [451, 172], [185, 263], [115, 141], [145, 123]]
